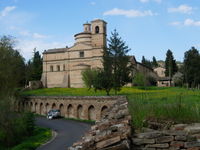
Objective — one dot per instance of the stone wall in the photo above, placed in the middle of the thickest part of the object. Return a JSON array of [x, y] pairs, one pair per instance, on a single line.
[[80, 107], [113, 132], [180, 136]]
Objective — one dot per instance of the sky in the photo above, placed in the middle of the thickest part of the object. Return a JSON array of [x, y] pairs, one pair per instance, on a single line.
[[149, 27]]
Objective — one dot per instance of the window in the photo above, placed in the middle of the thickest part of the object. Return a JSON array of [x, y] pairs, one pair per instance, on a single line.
[[97, 29], [64, 67], [81, 54], [58, 68], [51, 68]]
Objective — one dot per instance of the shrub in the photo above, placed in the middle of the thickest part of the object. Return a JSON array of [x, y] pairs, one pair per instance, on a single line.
[[88, 77], [178, 79], [139, 79]]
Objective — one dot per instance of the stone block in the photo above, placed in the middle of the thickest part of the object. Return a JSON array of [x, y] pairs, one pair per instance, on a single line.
[[137, 141], [193, 129], [194, 148], [149, 135], [192, 144], [180, 138], [179, 127], [177, 144], [107, 142], [176, 133], [164, 139], [121, 146], [164, 145]]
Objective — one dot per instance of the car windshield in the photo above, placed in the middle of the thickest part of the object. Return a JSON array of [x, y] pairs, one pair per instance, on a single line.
[[54, 110]]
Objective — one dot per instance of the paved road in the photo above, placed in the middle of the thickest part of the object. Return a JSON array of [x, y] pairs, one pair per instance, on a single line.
[[68, 132]]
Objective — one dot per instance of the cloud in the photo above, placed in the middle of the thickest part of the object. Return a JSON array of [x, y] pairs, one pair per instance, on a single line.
[[191, 22], [185, 9], [128, 13], [26, 33], [186, 22], [39, 36], [92, 3], [175, 23], [145, 1], [6, 11]]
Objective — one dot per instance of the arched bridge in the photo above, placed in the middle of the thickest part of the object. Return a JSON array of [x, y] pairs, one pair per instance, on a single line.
[[80, 107]]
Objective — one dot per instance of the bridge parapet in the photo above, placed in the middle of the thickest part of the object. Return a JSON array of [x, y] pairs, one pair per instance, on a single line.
[[80, 107]]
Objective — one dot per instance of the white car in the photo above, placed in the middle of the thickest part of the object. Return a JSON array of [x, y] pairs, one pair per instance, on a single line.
[[53, 113]]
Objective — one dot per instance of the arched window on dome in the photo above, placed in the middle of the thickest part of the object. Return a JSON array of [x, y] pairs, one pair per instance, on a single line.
[[97, 29]]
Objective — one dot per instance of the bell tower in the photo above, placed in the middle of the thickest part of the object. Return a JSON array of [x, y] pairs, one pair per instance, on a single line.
[[98, 33]]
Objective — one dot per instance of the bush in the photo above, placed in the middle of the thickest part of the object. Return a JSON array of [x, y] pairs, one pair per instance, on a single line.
[[17, 125], [178, 79], [88, 77], [139, 79]]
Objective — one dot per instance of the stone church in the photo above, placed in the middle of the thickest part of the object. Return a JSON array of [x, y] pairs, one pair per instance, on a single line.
[[62, 67]]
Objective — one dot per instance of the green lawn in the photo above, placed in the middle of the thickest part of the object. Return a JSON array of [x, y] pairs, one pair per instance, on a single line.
[[41, 136], [168, 103]]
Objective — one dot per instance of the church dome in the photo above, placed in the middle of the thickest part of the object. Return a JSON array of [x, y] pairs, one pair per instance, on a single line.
[[83, 37]]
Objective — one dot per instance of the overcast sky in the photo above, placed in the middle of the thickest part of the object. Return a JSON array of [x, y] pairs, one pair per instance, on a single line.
[[149, 27]]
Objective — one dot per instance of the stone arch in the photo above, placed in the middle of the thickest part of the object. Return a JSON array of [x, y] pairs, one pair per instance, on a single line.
[[80, 112], [53, 106], [31, 106], [41, 109], [26, 106], [91, 113], [35, 109], [97, 29], [103, 110], [61, 107], [23, 106], [70, 111], [47, 108]]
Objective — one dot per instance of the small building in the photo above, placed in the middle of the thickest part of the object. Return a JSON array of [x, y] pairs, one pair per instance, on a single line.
[[162, 80]]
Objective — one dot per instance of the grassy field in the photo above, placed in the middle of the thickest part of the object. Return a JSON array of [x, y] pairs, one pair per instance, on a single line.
[[41, 135], [176, 104]]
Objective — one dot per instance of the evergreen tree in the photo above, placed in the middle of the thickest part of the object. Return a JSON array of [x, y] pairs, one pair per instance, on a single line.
[[170, 64], [192, 67], [143, 60], [12, 65], [117, 52], [146, 62], [154, 62], [34, 67], [116, 66], [37, 65]]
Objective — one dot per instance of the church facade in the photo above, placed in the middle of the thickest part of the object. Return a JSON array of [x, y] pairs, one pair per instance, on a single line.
[[62, 67]]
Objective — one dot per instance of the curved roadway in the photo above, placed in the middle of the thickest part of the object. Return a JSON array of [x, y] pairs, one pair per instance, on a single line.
[[68, 132]]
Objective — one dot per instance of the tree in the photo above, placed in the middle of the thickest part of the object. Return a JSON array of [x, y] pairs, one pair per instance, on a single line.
[[139, 79], [12, 65], [34, 67], [154, 62], [146, 62], [103, 82], [12, 68], [178, 79], [192, 67], [170, 64], [89, 76], [117, 56], [37, 65]]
